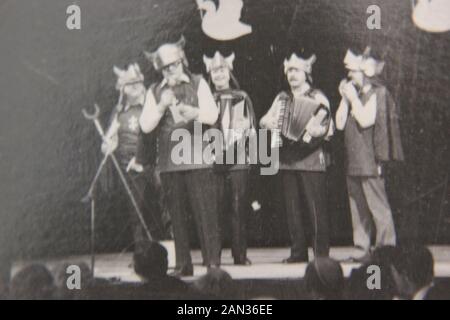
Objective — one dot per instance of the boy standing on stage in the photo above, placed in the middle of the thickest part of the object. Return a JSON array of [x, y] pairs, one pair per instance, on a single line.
[[303, 160], [237, 123], [369, 118], [184, 101], [122, 137]]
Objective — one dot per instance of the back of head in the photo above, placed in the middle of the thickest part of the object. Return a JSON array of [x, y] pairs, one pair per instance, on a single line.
[[34, 282], [416, 264], [357, 288], [63, 271], [150, 260], [216, 283], [324, 279], [63, 277]]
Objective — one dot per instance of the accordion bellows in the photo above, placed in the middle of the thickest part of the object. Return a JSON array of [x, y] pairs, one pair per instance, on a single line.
[[294, 115]]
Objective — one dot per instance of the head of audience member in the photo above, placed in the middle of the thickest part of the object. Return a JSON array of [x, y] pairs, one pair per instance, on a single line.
[[216, 283], [412, 270], [34, 282], [324, 279], [150, 260], [384, 258], [63, 279], [357, 289]]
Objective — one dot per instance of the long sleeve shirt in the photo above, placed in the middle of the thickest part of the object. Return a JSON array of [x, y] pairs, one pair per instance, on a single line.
[[171, 154], [207, 114], [364, 114]]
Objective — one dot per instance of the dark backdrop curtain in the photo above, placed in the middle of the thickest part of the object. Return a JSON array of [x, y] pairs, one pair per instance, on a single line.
[[49, 151]]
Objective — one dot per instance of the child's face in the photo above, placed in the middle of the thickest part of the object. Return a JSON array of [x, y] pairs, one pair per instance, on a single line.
[[134, 91], [220, 77]]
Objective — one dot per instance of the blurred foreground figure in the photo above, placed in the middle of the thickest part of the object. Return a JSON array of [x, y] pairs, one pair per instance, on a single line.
[[34, 282], [216, 284], [63, 278], [413, 272], [151, 265], [356, 287], [324, 279]]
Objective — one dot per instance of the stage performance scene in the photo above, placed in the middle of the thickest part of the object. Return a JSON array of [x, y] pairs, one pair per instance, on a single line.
[[225, 150]]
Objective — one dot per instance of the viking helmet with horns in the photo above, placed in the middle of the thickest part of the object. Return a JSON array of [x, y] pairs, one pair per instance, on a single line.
[[131, 75], [167, 54], [297, 62], [365, 63], [218, 61]]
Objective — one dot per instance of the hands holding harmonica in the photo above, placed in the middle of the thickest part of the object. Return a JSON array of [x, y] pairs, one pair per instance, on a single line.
[[348, 90], [169, 99]]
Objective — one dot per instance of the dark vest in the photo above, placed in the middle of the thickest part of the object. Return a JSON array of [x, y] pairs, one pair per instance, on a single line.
[[185, 93], [128, 134], [291, 158], [359, 144]]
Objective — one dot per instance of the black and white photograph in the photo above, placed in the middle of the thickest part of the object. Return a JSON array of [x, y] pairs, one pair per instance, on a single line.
[[232, 150]]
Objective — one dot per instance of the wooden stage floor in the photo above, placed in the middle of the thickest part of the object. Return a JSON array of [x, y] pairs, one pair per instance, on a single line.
[[266, 263]]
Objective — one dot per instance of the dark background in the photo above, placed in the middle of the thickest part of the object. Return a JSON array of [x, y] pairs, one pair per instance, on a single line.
[[48, 73]]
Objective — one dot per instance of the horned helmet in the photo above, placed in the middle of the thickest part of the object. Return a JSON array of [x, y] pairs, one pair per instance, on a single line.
[[298, 62], [167, 54], [130, 75], [218, 61], [370, 66]]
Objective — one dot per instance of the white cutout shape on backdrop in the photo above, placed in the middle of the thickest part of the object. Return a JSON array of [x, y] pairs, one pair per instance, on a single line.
[[223, 23], [432, 15]]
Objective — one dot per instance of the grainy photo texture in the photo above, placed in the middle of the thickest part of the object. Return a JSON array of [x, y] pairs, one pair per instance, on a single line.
[[225, 150]]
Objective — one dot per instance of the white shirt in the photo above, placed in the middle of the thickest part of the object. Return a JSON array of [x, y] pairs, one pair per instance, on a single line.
[[365, 116], [208, 110]]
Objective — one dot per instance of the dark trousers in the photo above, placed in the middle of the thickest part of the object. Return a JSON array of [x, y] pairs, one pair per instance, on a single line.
[[148, 201], [306, 192], [236, 204], [199, 190]]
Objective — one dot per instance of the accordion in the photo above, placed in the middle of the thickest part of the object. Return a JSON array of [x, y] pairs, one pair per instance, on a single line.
[[294, 115]]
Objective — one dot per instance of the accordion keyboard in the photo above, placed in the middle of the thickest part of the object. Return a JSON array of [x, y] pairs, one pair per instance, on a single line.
[[276, 141]]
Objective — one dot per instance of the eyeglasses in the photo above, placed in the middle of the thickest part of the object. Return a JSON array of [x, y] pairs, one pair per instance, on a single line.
[[172, 66]]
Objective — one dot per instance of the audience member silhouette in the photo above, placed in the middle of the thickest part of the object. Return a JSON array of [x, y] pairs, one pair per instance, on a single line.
[[151, 265], [357, 288], [216, 284], [64, 281], [34, 282], [324, 279], [413, 272]]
